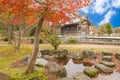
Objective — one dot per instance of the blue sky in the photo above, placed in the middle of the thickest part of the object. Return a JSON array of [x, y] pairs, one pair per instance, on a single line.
[[103, 11]]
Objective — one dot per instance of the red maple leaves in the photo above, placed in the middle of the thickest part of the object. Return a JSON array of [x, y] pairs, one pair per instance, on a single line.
[[58, 11]]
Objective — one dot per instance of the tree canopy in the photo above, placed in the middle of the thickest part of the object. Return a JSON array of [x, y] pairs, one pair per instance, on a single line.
[[27, 12], [54, 11]]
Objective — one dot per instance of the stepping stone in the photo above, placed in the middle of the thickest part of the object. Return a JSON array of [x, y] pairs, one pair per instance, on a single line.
[[104, 68], [117, 55], [107, 53], [109, 64], [91, 72], [107, 58], [65, 78], [81, 76]]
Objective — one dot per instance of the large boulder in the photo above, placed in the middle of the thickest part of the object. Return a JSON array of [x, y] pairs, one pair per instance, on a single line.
[[56, 69], [117, 55], [59, 53], [81, 76], [4, 76], [104, 68], [107, 53], [107, 58], [48, 57], [77, 57], [89, 54], [109, 64], [90, 71], [45, 52], [41, 61], [65, 78]]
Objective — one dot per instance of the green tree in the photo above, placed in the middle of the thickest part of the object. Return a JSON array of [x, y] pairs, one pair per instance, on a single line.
[[106, 29], [109, 29], [54, 40]]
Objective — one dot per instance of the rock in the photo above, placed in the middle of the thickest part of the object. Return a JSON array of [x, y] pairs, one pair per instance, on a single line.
[[81, 76], [77, 57], [107, 53], [41, 61], [71, 54], [56, 69], [89, 54], [117, 55], [107, 58], [65, 78], [39, 55], [59, 53], [104, 68], [48, 57], [91, 72], [45, 52], [87, 62], [26, 58], [109, 64], [4, 76]]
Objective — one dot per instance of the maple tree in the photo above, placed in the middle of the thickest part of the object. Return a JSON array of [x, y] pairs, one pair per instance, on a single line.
[[15, 16], [32, 11]]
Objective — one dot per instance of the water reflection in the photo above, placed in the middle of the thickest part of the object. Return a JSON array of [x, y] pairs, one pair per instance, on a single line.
[[72, 68], [113, 76]]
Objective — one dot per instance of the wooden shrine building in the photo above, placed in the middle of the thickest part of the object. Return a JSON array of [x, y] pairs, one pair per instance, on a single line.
[[76, 30]]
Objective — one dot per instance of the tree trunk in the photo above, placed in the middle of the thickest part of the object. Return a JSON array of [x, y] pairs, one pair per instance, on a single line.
[[30, 68], [10, 35], [19, 38]]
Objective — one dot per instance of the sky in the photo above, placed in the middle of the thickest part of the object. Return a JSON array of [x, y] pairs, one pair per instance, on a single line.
[[103, 11]]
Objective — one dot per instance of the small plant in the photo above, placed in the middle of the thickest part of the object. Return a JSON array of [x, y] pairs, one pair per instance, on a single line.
[[5, 39], [91, 73], [40, 65], [54, 40]]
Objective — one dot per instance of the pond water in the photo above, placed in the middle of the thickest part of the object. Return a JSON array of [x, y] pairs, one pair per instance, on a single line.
[[72, 68], [113, 76]]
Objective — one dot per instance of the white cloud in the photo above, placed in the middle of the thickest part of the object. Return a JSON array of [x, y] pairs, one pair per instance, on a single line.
[[116, 3], [100, 6], [107, 17]]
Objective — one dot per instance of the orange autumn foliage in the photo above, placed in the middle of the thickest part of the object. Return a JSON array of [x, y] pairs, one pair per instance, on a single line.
[[58, 11]]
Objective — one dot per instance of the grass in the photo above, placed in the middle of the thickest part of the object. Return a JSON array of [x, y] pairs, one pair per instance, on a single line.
[[8, 56]]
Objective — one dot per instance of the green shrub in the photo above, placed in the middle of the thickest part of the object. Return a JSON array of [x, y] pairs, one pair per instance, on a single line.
[[72, 41], [54, 40], [5, 39], [40, 65]]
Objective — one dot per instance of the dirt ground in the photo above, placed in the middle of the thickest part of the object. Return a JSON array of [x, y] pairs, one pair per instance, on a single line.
[[77, 47]]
